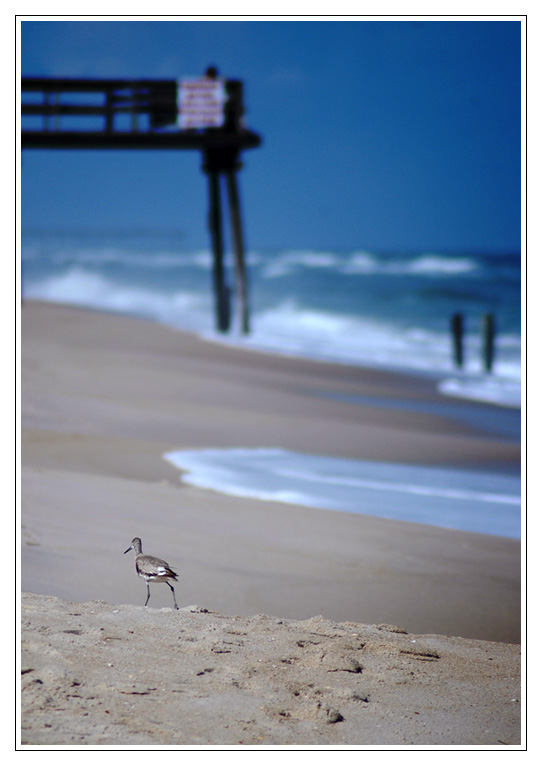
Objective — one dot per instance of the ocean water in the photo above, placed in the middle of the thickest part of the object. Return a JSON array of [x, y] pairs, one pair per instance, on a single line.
[[390, 311], [463, 500]]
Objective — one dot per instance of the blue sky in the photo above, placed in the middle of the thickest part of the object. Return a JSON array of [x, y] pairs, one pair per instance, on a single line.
[[377, 135]]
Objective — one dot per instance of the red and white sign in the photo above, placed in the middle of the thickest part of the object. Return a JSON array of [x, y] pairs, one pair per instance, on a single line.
[[201, 103]]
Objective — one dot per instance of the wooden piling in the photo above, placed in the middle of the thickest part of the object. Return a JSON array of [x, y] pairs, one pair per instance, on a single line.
[[488, 341], [456, 325], [222, 308], [239, 251]]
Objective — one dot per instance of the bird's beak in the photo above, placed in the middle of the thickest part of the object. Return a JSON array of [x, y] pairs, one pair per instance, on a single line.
[[129, 549]]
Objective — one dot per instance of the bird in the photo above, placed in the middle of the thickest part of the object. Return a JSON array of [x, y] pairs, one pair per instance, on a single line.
[[152, 569]]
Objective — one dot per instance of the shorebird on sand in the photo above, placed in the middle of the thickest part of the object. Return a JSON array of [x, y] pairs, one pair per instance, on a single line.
[[152, 569]]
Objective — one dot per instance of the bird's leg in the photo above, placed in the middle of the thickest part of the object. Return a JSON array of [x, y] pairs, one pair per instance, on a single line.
[[148, 594], [173, 591]]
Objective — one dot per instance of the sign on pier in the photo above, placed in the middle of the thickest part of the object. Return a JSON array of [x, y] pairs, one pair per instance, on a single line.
[[201, 103]]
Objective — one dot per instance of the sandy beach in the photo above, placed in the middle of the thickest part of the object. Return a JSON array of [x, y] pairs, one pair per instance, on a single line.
[[105, 396], [103, 675]]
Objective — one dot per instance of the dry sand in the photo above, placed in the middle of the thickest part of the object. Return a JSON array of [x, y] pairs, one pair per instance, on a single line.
[[103, 398], [96, 674]]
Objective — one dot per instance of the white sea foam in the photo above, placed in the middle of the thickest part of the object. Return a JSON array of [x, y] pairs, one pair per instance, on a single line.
[[428, 265], [484, 388], [452, 499], [289, 329], [435, 265], [83, 288]]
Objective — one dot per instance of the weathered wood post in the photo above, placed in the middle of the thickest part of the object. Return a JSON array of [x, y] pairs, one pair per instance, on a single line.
[[488, 341], [221, 290], [239, 250], [233, 115], [457, 338]]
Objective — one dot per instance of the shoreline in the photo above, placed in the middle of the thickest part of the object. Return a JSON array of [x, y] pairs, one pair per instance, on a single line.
[[486, 503], [105, 396], [389, 394]]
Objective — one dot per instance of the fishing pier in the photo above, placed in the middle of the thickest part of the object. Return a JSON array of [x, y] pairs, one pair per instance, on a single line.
[[202, 113]]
